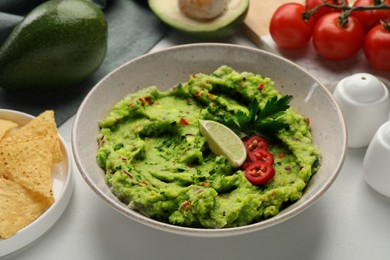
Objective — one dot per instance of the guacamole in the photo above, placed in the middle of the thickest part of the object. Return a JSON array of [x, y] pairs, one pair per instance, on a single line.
[[158, 163]]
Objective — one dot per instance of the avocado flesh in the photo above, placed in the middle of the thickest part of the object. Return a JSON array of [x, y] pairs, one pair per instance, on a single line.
[[224, 25], [58, 44]]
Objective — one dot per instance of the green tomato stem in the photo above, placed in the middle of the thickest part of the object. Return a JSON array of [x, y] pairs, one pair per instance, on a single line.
[[346, 10], [385, 25]]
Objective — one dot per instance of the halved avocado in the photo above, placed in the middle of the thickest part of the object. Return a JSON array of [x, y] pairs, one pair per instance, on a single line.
[[224, 25]]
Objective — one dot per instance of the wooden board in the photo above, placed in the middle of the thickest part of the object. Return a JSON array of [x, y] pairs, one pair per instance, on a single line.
[[259, 15]]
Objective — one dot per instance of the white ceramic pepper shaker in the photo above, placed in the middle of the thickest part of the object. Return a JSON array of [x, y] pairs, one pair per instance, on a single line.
[[376, 164], [364, 102]]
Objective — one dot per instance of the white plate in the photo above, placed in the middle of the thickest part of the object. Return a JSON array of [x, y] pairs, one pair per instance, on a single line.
[[62, 190]]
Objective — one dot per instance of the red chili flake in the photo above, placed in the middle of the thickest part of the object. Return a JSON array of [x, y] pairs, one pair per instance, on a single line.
[[143, 183], [197, 94], [149, 101], [287, 168], [193, 76], [281, 155], [123, 159], [184, 121], [127, 173], [261, 86], [307, 120], [205, 184], [186, 205], [142, 101]]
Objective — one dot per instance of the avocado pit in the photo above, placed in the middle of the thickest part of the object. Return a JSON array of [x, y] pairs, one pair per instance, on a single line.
[[203, 9]]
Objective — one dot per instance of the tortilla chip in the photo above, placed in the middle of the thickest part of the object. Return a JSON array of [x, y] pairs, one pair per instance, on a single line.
[[26, 159], [5, 126], [29, 163], [18, 207], [42, 125]]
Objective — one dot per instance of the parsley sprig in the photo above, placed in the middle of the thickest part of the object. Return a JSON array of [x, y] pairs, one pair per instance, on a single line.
[[265, 122]]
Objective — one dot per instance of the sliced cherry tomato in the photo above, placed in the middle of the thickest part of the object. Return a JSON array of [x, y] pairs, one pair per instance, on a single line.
[[322, 10], [259, 173], [261, 155], [255, 142], [377, 47], [336, 42], [288, 28], [370, 18]]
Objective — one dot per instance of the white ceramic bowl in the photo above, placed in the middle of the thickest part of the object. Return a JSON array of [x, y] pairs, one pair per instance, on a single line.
[[174, 65], [62, 191]]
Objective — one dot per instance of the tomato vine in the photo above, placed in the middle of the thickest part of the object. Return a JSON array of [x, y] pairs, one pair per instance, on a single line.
[[346, 9]]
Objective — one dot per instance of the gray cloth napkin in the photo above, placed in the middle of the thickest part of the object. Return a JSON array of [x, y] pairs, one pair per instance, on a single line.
[[132, 31]]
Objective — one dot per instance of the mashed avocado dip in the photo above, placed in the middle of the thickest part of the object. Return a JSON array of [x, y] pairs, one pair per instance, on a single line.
[[156, 161]]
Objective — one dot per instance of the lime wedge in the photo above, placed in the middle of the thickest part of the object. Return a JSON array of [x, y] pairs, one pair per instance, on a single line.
[[223, 141]]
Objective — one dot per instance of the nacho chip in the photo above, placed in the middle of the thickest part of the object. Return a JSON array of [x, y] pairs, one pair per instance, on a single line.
[[26, 159], [42, 125], [5, 126], [29, 163], [18, 207]]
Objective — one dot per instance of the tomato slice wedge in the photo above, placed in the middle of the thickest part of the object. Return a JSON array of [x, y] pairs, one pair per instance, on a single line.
[[261, 155], [256, 142], [259, 173]]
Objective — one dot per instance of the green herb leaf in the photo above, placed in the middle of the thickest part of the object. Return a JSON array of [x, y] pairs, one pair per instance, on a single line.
[[265, 122], [274, 107]]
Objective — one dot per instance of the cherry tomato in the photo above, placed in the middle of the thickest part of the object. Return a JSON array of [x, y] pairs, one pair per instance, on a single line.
[[334, 42], [288, 28], [370, 18], [255, 142], [259, 173], [322, 10], [377, 47], [261, 155]]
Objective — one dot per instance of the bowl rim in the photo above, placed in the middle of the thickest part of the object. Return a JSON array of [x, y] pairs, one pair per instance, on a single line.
[[203, 232]]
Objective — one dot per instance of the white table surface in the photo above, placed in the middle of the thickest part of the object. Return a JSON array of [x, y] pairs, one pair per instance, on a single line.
[[350, 221]]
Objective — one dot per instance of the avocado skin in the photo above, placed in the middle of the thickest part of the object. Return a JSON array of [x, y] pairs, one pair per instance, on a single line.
[[58, 44]]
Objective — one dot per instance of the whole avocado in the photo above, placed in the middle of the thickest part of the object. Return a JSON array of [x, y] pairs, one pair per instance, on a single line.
[[58, 44]]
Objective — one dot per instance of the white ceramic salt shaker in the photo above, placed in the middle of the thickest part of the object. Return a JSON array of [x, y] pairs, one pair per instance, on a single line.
[[364, 102], [376, 163]]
